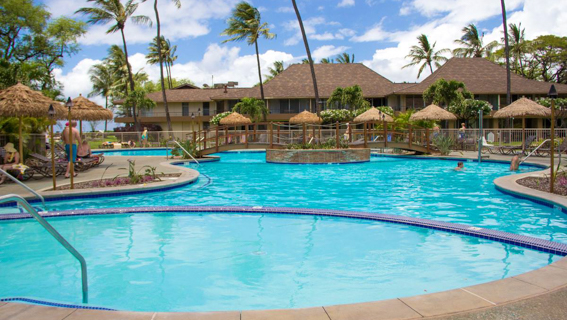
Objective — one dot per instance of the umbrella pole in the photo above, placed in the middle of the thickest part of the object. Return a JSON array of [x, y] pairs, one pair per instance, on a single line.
[[523, 135], [80, 128], [21, 143], [52, 147], [71, 164], [304, 133]]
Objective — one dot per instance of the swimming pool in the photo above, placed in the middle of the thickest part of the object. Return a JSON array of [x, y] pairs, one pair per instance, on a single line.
[[220, 261]]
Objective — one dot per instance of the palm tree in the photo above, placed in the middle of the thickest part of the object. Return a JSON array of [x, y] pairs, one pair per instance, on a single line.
[[310, 60], [507, 50], [170, 58], [305, 61], [425, 52], [345, 58], [160, 58], [102, 79], [255, 108], [473, 45], [167, 56], [518, 46], [275, 70], [246, 23], [349, 97], [105, 11], [327, 61]]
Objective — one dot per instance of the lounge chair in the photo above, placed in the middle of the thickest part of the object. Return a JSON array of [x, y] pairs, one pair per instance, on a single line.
[[80, 164], [42, 165], [542, 152], [518, 149]]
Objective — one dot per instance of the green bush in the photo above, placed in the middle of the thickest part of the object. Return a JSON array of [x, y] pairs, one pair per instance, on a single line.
[[216, 119], [444, 144]]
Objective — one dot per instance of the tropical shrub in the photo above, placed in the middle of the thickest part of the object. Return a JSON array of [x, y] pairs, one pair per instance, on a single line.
[[187, 145], [217, 118], [468, 109], [447, 93], [444, 144], [253, 107], [334, 115], [349, 97]]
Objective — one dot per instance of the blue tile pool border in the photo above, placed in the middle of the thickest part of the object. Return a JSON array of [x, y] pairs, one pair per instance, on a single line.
[[489, 234]]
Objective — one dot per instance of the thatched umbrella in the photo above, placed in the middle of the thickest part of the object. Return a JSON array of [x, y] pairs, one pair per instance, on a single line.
[[85, 109], [235, 119], [523, 108], [432, 112], [305, 117], [21, 101], [372, 115]]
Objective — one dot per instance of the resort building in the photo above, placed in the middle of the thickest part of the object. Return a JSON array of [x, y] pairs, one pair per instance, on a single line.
[[191, 108]]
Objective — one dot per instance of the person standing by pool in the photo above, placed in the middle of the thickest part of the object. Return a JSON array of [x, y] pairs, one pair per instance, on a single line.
[[145, 137], [462, 134], [71, 150]]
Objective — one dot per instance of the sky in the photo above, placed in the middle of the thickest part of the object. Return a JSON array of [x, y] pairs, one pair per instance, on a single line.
[[378, 32]]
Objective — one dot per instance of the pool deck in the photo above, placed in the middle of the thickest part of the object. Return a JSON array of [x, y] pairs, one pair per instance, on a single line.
[[538, 294]]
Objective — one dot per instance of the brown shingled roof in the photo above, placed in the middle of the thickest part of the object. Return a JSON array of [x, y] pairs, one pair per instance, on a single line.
[[188, 95], [296, 81], [482, 77]]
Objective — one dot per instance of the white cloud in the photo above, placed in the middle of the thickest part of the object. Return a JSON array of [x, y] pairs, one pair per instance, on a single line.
[[191, 20], [327, 52], [346, 3], [376, 33], [77, 80], [311, 26], [285, 10]]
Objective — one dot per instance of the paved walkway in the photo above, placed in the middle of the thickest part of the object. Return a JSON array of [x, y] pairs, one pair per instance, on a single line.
[[110, 168]]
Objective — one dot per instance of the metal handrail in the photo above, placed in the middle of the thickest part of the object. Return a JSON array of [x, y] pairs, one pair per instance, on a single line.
[[180, 146], [534, 150], [23, 185], [22, 202]]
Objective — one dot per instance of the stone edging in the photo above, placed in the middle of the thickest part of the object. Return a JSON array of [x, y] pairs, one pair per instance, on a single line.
[[527, 285]]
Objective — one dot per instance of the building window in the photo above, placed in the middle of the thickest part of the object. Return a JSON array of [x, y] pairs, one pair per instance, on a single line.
[[284, 106], [274, 106], [294, 106], [185, 109], [206, 106]]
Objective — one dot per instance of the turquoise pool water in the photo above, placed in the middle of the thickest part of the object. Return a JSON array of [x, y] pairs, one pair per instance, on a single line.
[[427, 189], [204, 262]]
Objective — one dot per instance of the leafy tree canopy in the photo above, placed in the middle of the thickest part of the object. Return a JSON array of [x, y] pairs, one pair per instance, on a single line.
[[446, 93], [348, 97], [253, 107]]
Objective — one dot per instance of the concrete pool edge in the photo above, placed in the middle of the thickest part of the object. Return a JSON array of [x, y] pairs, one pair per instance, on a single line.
[[531, 284]]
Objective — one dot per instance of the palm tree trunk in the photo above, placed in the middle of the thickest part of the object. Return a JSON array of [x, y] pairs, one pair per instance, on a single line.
[[106, 107], [430, 67], [507, 50], [131, 80], [160, 56], [260, 75], [308, 56]]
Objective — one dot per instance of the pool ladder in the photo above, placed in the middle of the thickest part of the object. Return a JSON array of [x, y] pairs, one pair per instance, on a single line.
[[181, 147], [31, 210]]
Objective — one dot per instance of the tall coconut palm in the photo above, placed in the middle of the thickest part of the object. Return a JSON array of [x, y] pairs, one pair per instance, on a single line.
[[518, 46], [425, 52], [310, 60], [166, 56], [105, 11], [507, 51], [472, 44], [160, 58], [102, 80], [246, 24], [345, 58], [170, 58]]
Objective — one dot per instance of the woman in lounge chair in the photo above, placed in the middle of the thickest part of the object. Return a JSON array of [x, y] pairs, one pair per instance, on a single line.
[[11, 158], [85, 151]]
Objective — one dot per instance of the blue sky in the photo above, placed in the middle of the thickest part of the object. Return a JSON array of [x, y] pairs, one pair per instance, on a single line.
[[378, 32]]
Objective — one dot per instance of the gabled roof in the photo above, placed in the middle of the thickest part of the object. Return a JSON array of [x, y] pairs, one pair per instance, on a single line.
[[296, 81], [481, 76]]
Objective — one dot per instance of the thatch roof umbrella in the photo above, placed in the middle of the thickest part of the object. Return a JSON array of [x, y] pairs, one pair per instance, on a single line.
[[523, 108], [85, 109], [235, 119], [21, 101], [304, 118], [432, 112], [372, 115]]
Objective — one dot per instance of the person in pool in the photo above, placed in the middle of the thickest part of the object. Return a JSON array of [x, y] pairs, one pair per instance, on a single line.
[[515, 163], [460, 166]]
